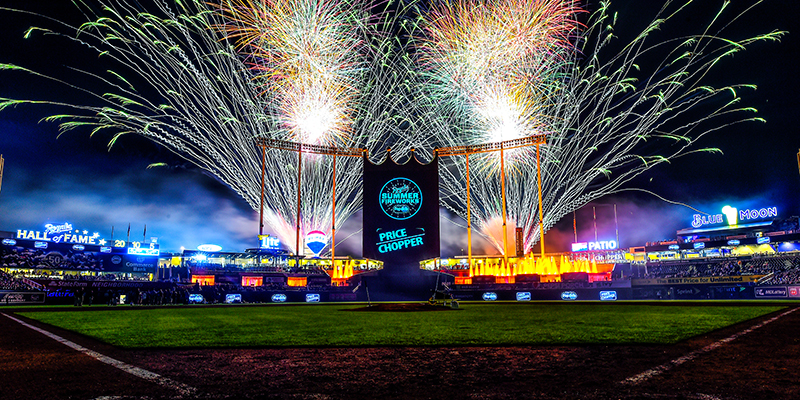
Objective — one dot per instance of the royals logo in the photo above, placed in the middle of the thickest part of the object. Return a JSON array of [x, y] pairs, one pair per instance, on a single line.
[[400, 198]]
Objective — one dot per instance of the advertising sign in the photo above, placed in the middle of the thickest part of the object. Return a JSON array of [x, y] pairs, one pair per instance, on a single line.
[[128, 263], [403, 204], [269, 242], [22, 298], [733, 217], [278, 298], [316, 241], [196, 298], [569, 295], [779, 291], [312, 298], [595, 246], [696, 280], [233, 298], [608, 295], [209, 247]]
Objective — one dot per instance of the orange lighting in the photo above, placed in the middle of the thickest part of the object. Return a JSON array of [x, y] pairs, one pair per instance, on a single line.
[[203, 280], [463, 280], [252, 281], [296, 281]]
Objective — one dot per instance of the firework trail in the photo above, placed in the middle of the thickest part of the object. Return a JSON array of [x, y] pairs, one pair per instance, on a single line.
[[211, 78], [494, 71], [207, 80]]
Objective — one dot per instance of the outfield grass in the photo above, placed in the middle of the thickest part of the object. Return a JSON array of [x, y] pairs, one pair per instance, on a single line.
[[498, 324]]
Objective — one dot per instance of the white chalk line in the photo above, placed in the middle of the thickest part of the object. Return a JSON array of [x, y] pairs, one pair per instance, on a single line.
[[691, 356], [182, 389]]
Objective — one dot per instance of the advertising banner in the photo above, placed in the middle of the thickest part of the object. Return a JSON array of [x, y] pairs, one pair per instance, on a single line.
[[8, 298], [56, 284], [696, 280], [128, 263], [775, 291], [401, 213], [68, 256], [318, 280]]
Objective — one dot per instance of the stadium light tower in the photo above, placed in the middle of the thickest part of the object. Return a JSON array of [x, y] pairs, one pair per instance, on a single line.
[[312, 149], [2, 162], [536, 140]]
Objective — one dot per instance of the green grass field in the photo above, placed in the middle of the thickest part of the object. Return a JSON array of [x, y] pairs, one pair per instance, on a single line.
[[497, 324]]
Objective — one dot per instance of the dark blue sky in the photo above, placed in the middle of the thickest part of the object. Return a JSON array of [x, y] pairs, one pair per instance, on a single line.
[[76, 179]]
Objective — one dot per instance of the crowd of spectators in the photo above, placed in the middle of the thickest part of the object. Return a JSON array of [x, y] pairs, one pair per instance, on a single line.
[[18, 258], [9, 282], [783, 269], [60, 275]]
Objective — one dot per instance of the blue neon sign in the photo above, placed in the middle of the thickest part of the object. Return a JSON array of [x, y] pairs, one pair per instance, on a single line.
[[278, 298], [569, 295], [400, 198], [397, 240], [269, 242], [312, 298], [608, 295]]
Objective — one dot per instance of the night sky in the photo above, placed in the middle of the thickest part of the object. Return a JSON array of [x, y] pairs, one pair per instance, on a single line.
[[76, 179]]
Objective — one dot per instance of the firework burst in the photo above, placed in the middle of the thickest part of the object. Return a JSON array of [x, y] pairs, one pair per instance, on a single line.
[[493, 72], [207, 81]]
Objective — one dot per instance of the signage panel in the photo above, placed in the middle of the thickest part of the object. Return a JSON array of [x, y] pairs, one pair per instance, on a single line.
[[22, 297], [196, 298], [269, 242], [599, 245], [278, 298], [696, 280], [732, 216], [569, 295], [402, 204], [608, 295], [312, 298], [316, 241], [774, 291], [523, 296]]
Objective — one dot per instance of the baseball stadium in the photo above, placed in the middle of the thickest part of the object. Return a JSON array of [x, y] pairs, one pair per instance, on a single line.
[[331, 122]]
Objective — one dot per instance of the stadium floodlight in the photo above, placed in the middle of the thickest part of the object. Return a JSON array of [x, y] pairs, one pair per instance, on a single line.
[[313, 149], [536, 140]]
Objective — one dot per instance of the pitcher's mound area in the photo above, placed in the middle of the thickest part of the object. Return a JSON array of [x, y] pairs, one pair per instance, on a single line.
[[401, 307]]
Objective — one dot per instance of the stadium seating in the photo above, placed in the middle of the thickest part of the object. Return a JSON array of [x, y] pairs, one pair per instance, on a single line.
[[780, 269], [8, 282]]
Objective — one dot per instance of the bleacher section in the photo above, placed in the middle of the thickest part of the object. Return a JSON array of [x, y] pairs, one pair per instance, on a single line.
[[8, 282], [777, 269]]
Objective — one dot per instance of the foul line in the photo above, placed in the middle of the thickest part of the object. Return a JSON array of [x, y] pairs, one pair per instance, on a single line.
[[691, 356], [181, 388]]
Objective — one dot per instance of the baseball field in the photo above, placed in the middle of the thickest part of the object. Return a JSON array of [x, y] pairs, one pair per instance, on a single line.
[[481, 350]]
